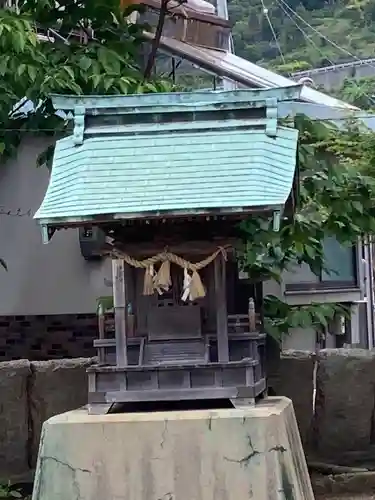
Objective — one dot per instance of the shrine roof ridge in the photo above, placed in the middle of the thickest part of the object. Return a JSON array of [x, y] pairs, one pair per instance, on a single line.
[[175, 101]]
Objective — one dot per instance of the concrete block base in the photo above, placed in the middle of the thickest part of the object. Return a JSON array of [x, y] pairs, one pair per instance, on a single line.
[[224, 454]]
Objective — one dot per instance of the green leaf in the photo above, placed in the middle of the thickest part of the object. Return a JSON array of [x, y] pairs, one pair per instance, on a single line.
[[32, 72], [69, 71], [149, 87], [45, 158], [105, 302], [85, 63], [358, 206], [304, 319], [114, 19], [109, 61], [108, 83], [21, 69], [4, 64], [96, 80], [321, 318], [19, 41], [299, 247], [123, 85], [310, 251]]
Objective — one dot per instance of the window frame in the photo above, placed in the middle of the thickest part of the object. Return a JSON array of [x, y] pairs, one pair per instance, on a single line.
[[327, 285]]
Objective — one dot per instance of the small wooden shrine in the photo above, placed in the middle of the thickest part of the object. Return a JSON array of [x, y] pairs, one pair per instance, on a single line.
[[167, 178]]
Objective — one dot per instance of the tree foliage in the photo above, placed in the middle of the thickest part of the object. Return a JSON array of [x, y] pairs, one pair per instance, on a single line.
[[92, 50], [335, 165], [337, 189], [359, 92], [350, 24]]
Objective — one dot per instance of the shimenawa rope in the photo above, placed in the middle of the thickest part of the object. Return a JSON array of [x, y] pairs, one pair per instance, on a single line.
[[160, 281]]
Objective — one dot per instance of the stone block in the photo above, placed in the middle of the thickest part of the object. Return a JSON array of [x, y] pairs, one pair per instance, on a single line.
[[293, 377], [14, 425], [345, 403], [56, 387], [249, 452]]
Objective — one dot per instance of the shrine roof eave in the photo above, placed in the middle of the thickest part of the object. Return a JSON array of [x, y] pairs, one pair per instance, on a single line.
[[51, 224]]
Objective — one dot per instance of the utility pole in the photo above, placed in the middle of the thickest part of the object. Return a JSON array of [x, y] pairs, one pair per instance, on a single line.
[[222, 11]]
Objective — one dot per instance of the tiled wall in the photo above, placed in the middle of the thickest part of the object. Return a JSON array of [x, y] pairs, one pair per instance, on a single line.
[[47, 337]]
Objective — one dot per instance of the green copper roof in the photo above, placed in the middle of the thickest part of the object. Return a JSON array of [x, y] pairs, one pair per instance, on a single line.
[[151, 155]]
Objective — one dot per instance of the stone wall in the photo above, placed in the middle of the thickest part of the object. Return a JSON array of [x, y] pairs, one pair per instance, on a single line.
[[293, 377], [343, 423], [31, 392], [344, 419], [14, 420], [54, 387], [345, 403]]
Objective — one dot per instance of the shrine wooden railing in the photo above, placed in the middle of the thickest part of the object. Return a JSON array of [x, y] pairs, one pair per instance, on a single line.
[[241, 328], [190, 365]]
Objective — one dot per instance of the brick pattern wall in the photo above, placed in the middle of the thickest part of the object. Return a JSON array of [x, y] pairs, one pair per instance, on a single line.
[[40, 338]]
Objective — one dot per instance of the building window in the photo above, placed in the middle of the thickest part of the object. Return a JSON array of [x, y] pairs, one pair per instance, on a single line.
[[340, 260]]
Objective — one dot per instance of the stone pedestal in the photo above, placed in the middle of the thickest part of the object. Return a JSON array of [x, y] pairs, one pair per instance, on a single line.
[[224, 454]]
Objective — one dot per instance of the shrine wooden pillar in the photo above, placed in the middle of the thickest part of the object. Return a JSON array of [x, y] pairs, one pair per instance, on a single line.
[[221, 309], [119, 304]]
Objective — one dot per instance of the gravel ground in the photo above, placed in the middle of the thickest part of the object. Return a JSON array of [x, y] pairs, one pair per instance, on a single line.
[[346, 497]]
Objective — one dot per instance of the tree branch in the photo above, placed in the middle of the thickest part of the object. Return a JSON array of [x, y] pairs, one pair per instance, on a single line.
[[156, 41]]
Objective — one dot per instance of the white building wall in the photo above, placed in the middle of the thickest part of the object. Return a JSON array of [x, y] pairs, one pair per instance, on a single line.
[[41, 279]]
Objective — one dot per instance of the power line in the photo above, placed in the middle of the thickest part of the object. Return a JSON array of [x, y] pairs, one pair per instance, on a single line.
[[341, 49], [265, 12], [305, 35], [281, 4], [349, 118]]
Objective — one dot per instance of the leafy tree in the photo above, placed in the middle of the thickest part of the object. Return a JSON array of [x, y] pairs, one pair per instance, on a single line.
[[291, 67], [93, 50], [337, 189], [359, 92], [102, 56], [349, 24]]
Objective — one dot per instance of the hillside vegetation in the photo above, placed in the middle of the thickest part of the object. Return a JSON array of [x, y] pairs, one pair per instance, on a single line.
[[349, 24]]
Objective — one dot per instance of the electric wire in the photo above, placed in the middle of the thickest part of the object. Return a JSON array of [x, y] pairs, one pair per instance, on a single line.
[[305, 35], [266, 15], [341, 49], [281, 4], [363, 115]]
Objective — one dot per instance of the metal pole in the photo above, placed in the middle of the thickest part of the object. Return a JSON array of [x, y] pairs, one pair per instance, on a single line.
[[370, 291], [222, 11]]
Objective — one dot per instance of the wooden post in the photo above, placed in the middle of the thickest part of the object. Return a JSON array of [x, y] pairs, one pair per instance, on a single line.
[[221, 309], [101, 323], [251, 314], [119, 303]]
